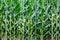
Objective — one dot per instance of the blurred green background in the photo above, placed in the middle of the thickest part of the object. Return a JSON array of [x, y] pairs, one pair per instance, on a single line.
[[29, 19]]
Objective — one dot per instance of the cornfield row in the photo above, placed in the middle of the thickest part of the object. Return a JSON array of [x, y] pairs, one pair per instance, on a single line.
[[29, 19]]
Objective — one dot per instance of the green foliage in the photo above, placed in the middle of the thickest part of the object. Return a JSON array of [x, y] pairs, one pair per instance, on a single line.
[[30, 19]]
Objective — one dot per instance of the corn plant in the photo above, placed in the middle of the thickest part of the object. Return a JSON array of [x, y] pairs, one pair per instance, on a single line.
[[52, 26], [29, 19]]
